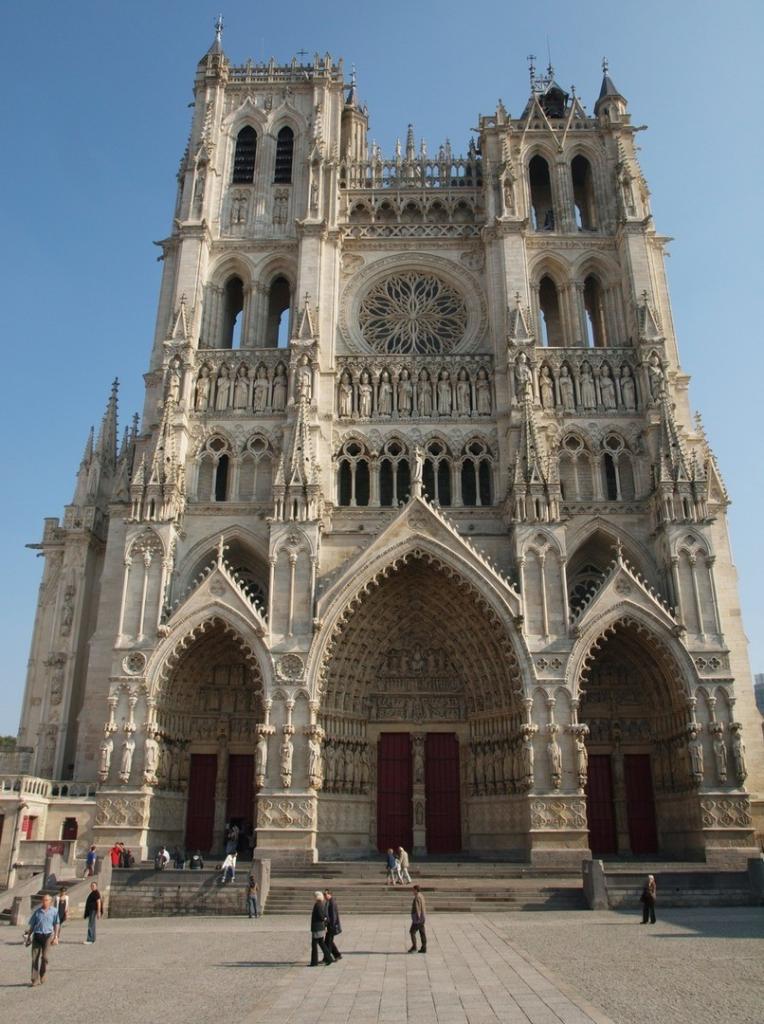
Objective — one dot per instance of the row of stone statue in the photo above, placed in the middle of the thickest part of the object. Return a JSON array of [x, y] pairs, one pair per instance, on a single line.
[[152, 753], [245, 389], [508, 766], [572, 389], [406, 395], [719, 746], [347, 767]]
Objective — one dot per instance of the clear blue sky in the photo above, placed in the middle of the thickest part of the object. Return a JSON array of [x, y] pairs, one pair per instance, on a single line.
[[96, 119]]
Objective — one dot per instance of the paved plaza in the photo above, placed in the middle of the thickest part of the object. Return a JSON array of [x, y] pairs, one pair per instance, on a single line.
[[479, 969]]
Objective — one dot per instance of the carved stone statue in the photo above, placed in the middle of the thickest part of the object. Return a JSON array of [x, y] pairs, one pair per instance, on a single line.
[[279, 389], [526, 760], [287, 753], [67, 612], [223, 391], [303, 380], [418, 755], [126, 760], [241, 389], [417, 471], [656, 377], [364, 396], [588, 394], [405, 394], [463, 400], [424, 394], [365, 769], [738, 755], [444, 393], [554, 753], [567, 395], [174, 374], [345, 397], [546, 388], [315, 763], [720, 755], [607, 389], [695, 750], [104, 758], [628, 389], [261, 758], [483, 393], [203, 390], [523, 379], [582, 761], [150, 758], [260, 390], [385, 403]]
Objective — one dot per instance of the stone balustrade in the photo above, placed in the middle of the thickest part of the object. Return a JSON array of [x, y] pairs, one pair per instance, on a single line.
[[24, 786], [404, 388], [441, 172]]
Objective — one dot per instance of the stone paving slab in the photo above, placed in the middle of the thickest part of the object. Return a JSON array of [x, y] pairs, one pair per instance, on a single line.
[[524, 968]]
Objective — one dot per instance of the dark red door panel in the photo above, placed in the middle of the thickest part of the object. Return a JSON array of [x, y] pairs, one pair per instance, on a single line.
[[200, 816], [240, 799], [640, 803], [394, 791], [599, 806], [442, 812]]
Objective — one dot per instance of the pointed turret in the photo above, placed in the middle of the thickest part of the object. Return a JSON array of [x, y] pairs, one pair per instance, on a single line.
[[610, 101], [410, 143], [81, 486], [106, 449], [355, 124], [215, 56]]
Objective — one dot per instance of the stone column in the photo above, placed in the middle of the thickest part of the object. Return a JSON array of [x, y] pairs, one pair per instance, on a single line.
[[418, 795]]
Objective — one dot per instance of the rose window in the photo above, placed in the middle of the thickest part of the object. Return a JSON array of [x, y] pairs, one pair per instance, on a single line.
[[413, 314]]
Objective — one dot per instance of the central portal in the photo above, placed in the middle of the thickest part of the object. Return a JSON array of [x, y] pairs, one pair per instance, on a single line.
[[420, 682]]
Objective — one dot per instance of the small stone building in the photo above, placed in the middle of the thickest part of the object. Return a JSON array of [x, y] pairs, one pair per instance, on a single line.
[[417, 540]]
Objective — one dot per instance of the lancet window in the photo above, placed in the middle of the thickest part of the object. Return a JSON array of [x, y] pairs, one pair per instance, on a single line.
[[576, 481], [394, 473], [475, 474], [542, 204], [584, 203], [617, 470], [244, 156], [552, 332], [282, 174], [279, 309], [256, 471], [594, 308], [436, 475], [213, 470], [353, 475]]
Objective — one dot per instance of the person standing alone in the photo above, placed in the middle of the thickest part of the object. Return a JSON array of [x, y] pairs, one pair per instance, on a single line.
[[333, 924], [252, 891], [417, 921], [93, 910], [41, 934], [648, 900]]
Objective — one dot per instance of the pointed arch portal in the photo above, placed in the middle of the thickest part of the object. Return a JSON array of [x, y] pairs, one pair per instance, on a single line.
[[419, 676]]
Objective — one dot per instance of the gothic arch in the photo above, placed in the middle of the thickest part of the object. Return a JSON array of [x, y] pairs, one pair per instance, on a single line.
[[635, 553], [191, 627], [145, 540], [667, 650], [337, 606], [550, 266], [230, 266], [204, 553]]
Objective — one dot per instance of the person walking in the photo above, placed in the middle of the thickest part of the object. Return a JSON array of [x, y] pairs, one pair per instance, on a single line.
[[333, 923], [62, 907], [403, 870], [252, 891], [648, 900], [93, 910], [391, 869], [417, 921], [318, 924], [90, 862], [41, 934]]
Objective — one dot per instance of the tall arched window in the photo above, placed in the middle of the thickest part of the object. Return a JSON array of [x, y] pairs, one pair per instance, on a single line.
[[394, 474], [353, 479], [594, 305], [279, 301], [542, 204], [436, 475], [575, 470], [233, 308], [282, 174], [476, 475], [212, 474], [617, 470], [244, 156], [549, 307], [256, 471], [585, 208]]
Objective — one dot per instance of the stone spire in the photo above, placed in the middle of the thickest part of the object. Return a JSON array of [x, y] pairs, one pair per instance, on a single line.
[[106, 448], [608, 91]]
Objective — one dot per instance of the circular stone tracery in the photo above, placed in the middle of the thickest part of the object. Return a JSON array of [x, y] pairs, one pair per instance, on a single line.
[[413, 313]]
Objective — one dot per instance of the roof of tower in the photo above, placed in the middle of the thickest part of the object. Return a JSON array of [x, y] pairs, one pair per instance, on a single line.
[[351, 100], [216, 50], [608, 88]]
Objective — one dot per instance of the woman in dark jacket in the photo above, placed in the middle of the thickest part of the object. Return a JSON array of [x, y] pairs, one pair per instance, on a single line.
[[333, 924], [318, 921], [648, 900]]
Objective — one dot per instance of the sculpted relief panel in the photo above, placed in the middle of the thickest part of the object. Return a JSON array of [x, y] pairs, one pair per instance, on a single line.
[[416, 684]]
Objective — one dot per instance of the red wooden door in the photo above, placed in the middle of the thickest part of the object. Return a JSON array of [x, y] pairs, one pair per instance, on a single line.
[[200, 815], [640, 803], [394, 827], [240, 800], [599, 806], [441, 780]]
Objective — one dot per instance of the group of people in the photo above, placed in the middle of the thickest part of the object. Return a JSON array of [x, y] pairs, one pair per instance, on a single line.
[[47, 921], [120, 855], [325, 926], [398, 867]]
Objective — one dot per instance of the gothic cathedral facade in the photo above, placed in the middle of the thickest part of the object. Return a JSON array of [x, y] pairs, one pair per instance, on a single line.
[[418, 541]]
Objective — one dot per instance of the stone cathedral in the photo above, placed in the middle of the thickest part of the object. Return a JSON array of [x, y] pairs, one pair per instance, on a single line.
[[417, 540]]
